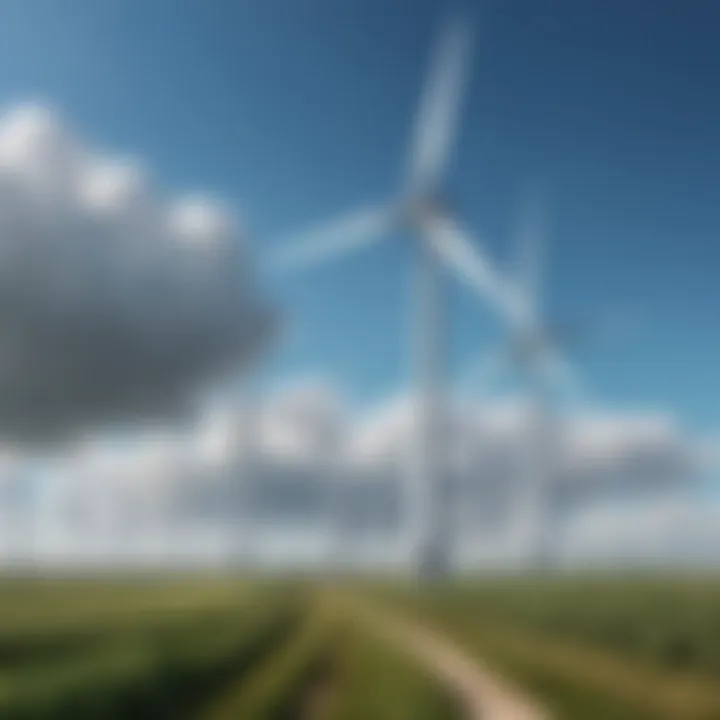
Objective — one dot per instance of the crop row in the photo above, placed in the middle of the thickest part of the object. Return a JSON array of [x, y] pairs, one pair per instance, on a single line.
[[163, 672]]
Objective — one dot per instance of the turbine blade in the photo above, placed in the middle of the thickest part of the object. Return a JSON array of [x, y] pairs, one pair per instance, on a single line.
[[532, 251], [453, 246], [437, 119], [331, 239]]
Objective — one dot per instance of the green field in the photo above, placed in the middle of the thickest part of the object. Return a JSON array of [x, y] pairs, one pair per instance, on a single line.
[[589, 646], [206, 648], [215, 648]]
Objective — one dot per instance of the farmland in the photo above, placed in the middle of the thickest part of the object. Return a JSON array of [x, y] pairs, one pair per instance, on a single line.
[[589, 646], [215, 648], [206, 648]]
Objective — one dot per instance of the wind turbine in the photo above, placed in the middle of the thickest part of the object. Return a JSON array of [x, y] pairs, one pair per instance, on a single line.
[[418, 207], [533, 350]]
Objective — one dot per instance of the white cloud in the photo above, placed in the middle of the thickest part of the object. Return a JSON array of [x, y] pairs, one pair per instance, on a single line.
[[147, 492], [665, 530], [115, 303], [200, 222], [303, 423], [112, 186]]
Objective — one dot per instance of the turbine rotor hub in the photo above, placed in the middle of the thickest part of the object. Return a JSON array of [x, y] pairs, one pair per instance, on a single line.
[[418, 210]]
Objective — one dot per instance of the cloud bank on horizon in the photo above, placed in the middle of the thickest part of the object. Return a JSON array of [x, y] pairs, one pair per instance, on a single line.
[[115, 303], [283, 478]]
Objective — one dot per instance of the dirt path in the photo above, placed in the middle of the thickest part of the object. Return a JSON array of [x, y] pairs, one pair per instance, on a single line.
[[485, 695]]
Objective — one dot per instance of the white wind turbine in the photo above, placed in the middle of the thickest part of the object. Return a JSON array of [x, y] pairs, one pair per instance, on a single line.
[[418, 208], [533, 352]]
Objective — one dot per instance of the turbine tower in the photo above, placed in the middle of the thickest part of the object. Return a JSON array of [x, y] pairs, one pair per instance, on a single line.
[[418, 208]]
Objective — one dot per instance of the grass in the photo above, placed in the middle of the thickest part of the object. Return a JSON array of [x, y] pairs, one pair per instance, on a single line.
[[197, 648], [153, 667], [211, 648], [277, 687], [591, 647], [335, 668], [376, 680]]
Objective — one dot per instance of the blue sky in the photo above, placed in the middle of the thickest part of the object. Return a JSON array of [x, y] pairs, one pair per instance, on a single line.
[[299, 109]]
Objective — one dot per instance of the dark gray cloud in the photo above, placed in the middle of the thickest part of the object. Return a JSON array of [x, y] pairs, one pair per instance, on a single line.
[[114, 304]]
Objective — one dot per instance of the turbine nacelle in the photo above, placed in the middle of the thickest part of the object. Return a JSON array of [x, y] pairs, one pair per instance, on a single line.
[[417, 212]]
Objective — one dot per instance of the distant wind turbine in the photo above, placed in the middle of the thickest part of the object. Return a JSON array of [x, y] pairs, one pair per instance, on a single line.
[[533, 351]]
